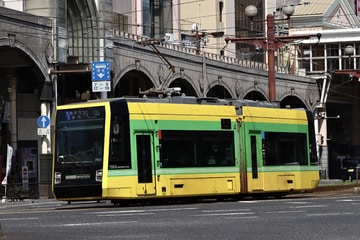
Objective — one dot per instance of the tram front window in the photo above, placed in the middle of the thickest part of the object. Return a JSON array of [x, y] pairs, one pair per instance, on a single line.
[[80, 136]]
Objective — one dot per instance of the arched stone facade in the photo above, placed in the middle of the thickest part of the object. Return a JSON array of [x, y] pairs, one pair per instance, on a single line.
[[204, 73]]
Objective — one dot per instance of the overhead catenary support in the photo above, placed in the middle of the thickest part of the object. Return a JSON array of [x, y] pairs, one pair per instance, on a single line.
[[269, 43]]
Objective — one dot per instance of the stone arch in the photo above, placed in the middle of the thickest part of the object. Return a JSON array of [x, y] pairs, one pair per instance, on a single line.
[[255, 95], [219, 92], [131, 68], [219, 89], [185, 83], [28, 59], [132, 82], [23, 73], [292, 101]]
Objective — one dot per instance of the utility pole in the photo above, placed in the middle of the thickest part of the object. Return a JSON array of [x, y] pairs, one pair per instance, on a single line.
[[269, 43]]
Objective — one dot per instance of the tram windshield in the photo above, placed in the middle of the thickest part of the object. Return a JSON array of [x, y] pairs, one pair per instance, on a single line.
[[80, 135]]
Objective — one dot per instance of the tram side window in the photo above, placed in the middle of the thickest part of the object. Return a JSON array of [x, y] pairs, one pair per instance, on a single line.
[[197, 149], [117, 154], [284, 148]]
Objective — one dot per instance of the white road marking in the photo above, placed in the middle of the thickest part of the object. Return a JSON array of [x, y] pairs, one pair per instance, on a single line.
[[347, 200], [310, 206], [142, 211], [285, 212], [235, 218], [123, 215], [93, 224], [222, 214], [18, 219], [227, 210], [328, 214]]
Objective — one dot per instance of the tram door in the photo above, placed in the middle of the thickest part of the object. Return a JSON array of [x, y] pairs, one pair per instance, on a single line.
[[145, 161], [255, 178]]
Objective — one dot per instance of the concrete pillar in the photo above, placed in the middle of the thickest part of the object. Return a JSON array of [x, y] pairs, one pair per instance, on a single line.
[[355, 136], [56, 10]]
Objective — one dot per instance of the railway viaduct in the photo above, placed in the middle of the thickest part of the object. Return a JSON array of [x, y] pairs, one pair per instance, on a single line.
[[137, 65]]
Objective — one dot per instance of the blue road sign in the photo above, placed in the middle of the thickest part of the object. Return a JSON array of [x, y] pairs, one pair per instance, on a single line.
[[100, 71], [43, 121]]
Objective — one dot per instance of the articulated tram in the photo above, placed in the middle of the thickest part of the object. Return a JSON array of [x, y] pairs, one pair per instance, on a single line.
[[125, 149]]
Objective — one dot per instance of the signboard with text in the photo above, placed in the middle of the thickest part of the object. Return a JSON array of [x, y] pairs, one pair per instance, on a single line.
[[100, 73]]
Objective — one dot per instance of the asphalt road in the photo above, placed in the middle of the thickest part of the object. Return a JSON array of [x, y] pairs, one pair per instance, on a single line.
[[332, 214]]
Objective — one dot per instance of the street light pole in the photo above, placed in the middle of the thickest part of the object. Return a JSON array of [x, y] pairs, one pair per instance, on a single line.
[[270, 43], [271, 47]]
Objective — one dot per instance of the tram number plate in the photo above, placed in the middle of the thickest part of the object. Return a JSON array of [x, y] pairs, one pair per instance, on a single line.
[[101, 86], [43, 131]]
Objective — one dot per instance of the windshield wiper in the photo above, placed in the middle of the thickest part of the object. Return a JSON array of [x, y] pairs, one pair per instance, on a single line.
[[63, 159]]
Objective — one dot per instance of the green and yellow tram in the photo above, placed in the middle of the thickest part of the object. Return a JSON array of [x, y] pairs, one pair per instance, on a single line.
[[146, 148]]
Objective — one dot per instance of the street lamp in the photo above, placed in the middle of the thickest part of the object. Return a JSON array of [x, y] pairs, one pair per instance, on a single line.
[[349, 50], [270, 42]]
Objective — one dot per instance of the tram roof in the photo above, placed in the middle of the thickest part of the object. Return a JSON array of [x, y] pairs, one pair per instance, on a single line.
[[237, 103]]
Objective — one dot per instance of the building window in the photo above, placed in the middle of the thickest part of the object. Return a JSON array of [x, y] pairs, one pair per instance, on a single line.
[[120, 23], [221, 7]]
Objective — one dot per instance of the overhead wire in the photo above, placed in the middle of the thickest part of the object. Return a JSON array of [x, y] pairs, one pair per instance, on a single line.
[[44, 34]]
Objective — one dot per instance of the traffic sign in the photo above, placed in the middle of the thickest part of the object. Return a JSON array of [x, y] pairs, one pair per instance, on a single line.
[[43, 121], [100, 71], [43, 131], [25, 177], [24, 171], [101, 86]]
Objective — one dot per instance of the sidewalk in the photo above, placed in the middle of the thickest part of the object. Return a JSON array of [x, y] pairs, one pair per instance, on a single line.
[[328, 184], [335, 187], [27, 202]]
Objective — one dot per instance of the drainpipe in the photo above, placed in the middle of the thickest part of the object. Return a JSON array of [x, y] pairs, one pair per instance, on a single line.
[[13, 117]]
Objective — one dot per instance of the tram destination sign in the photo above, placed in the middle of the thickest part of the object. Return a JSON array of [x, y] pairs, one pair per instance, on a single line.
[[100, 73]]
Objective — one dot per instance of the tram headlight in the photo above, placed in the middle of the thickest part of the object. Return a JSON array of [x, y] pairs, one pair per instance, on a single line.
[[57, 177], [98, 175]]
